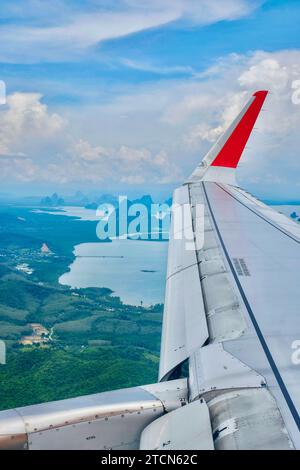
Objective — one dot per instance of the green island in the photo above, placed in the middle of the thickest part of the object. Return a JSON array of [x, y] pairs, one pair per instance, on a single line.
[[64, 342]]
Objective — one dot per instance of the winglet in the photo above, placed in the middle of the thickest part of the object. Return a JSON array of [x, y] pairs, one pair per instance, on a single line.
[[226, 153], [232, 150]]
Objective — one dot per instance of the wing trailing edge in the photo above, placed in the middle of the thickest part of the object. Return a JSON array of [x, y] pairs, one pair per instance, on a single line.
[[220, 163]]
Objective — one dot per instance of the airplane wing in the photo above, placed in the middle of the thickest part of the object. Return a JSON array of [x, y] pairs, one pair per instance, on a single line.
[[231, 322], [232, 302]]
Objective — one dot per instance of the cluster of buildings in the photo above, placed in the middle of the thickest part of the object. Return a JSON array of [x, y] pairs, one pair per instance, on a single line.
[[39, 335]]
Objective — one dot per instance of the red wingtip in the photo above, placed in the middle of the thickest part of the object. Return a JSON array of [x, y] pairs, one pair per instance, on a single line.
[[232, 150], [261, 93]]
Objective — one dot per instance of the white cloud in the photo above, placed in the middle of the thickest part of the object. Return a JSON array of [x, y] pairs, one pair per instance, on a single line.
[[272, 154], [186, 117], [67, 33], [266, 71], [87, 152], [156, 69], [158, 132], [124, 164], [202, 132], [26, 123], [207, 11], [200, 11]]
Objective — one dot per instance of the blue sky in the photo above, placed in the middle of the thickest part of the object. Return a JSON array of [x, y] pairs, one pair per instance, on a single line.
[[129, 95]]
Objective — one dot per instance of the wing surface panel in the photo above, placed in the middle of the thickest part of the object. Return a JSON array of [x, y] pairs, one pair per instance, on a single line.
[[262, 251]]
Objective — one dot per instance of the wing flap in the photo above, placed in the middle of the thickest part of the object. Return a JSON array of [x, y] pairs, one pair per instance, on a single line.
[[186, 428], [184, 322]]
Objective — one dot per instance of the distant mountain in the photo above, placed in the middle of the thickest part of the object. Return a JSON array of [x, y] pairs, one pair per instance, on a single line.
[[78, 199], [93, 202], [107, 199], [295, 216], [103, 199], [52, 201], [146, 200]]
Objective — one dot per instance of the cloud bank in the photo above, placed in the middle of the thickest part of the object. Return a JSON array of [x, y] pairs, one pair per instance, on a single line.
[[157, 133], [68, 32]]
